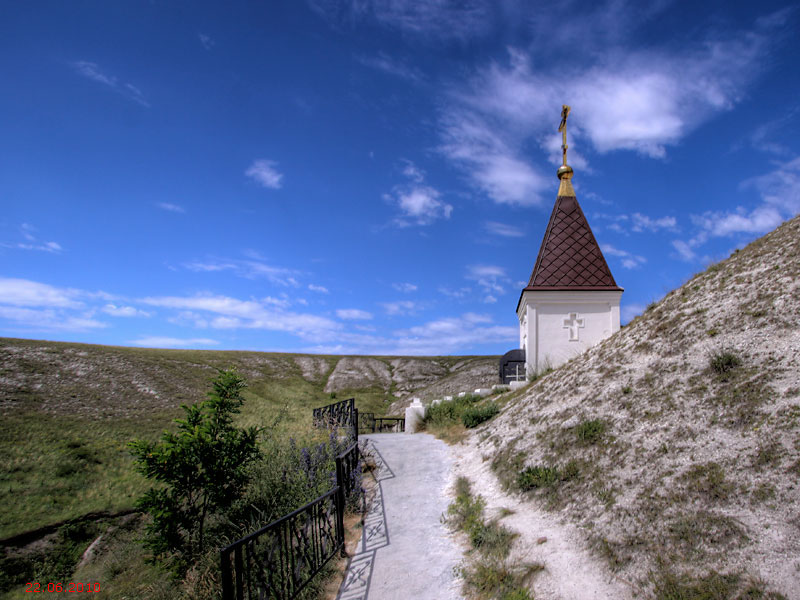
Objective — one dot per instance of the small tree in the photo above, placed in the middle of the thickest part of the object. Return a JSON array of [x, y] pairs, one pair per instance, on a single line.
[[202, 467]]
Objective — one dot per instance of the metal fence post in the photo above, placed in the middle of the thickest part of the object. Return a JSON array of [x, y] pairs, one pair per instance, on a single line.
[[340, 505], [355, 424]]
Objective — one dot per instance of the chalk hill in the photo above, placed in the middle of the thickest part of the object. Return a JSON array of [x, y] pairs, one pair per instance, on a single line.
[[108, 381], [675, 444]]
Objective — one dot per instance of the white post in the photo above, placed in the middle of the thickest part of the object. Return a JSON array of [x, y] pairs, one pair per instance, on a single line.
[[414, 415]]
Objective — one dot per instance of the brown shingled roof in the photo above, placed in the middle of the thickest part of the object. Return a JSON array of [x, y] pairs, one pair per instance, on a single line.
[[569, 258]]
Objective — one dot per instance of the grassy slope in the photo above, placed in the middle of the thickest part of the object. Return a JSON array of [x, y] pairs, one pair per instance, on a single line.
[[682, 469]]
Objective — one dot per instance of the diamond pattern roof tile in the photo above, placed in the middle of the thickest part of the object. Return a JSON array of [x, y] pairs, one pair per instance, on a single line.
[[569, 257]]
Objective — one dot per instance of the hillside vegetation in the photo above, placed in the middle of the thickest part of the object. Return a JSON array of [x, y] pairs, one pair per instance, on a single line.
[[675, 444]]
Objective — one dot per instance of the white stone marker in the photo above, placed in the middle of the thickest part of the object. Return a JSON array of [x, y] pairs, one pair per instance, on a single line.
[[462, 394], [414, 415], [515, 385], [483, 392], [448, 398], [500, 387]]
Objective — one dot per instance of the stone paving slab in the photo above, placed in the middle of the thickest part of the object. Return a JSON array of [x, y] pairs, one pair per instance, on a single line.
[[405, 551]]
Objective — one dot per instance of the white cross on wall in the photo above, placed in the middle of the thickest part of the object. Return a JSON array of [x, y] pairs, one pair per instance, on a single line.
[[573, 324]]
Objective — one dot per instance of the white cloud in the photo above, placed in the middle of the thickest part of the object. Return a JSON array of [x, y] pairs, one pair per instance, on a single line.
[[265, 173], [433, 19], [248, 269], [124, 311], [317, 288], [171, 342], [504, 230], [170, 207], [490, 158], [685, 250], [759, 220], [419, 203], [387, 64], [622, 96], [457, 294], [36, 319], [413, 172], [401, 307], [31, 242], [248, 314], [405, 287], [93, 72], [23, 292], [491, 278], [206, 41], [490, 299], [641, 222], [628, 260], [780, 200], [353, 314]]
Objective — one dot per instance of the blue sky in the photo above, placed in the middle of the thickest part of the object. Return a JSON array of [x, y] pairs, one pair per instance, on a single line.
[[373, 176]]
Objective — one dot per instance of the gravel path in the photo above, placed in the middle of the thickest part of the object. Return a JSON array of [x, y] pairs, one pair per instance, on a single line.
[[405, 551]]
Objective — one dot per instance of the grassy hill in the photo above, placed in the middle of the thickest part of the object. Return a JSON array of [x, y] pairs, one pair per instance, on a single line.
[[68, 411], [675, 444]]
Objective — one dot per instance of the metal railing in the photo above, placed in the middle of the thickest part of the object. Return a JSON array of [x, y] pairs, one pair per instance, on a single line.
[[339, 414], [369, 423], [278, 561]]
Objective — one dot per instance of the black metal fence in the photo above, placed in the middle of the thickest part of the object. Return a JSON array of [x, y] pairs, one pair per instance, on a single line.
[[369, 423], [339, 414], [279, 560]]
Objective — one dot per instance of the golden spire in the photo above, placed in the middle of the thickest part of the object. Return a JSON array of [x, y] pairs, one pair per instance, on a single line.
[[564, 171]]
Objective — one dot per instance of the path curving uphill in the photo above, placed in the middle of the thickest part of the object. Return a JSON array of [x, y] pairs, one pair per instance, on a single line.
[[405, 551]]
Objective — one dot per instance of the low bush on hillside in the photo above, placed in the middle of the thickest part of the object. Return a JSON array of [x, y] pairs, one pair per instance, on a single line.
[[475, 415], [590, 432], [723, 361], [545, 477]]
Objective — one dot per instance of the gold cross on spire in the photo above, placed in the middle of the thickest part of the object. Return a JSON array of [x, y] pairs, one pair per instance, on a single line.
[[563, 129]]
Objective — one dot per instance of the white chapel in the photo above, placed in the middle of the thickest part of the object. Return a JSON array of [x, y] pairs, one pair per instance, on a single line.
[[571, 301]]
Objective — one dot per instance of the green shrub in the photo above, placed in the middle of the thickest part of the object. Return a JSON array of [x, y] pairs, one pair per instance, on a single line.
[[537, 477], [590, 432], [201, 470], [449, 412], [475, 415], [723, 361], [544, 477]]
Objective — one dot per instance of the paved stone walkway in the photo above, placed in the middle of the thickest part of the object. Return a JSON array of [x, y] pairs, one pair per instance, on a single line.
[[405, 551]]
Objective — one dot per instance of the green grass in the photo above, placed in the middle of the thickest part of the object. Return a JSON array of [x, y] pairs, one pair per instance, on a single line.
[[489, 573], [713, 586]]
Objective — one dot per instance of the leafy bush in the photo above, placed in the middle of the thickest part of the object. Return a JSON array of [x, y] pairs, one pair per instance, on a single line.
[[475, 415], [202, 469], [589, 432]]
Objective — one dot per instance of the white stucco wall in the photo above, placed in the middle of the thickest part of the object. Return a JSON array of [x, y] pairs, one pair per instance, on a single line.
[[543, 334]]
